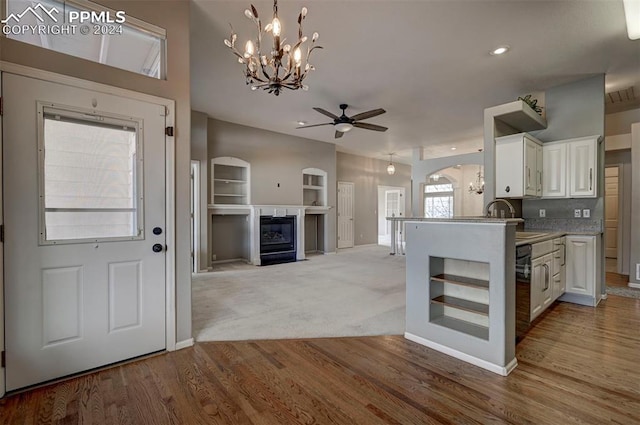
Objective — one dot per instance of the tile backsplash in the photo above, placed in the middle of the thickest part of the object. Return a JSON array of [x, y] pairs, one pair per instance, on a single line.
[[563, 224]]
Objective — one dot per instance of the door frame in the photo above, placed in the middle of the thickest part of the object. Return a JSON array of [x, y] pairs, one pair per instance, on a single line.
[[619, 238], [167, 108], [382, 191], [195, 213]]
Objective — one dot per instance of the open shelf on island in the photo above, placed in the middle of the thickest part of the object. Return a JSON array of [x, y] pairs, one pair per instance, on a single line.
[[459, 295], [462, 304], [461, 280], [463, 326]]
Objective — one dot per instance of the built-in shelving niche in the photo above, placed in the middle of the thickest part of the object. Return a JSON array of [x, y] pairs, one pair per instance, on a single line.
[[230, 181], [459, 295]]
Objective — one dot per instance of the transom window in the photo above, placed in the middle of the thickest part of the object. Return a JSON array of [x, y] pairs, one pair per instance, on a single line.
[[91, 185], [438, 199], [90, 31]]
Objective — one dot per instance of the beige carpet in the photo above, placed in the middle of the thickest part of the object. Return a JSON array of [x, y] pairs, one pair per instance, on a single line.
[[357, 292]]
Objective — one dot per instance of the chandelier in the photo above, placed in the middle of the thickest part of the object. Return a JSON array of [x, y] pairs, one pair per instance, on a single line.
[[478, 185], [284, 66], [391, 169]]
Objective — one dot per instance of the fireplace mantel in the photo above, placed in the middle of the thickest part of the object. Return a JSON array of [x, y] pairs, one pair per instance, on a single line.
[[255, 211], [299, 211]]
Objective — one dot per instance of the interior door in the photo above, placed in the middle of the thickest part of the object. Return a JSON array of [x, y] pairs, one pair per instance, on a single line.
[[84, 205], [611, 211], [345, 215]]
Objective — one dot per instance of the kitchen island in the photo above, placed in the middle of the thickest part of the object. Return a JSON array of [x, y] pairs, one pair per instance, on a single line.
[[461, 289]]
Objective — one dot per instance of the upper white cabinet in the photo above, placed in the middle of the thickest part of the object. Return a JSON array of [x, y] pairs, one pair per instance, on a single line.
[[314, 187], [554, 170], [583, 168], [518, 166], [570, 168], [230, 181]]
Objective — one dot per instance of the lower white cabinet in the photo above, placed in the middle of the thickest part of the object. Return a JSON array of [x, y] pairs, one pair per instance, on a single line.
[[541, 285], [584, 270], [581, 265], [559, 267]]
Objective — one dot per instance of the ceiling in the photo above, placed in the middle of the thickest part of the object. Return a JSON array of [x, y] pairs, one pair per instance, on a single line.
[[426, 62]]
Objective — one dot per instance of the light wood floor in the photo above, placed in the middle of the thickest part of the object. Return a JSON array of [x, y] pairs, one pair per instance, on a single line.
[[578, 365]]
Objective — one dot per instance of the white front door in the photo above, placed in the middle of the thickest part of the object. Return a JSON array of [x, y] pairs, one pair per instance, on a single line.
[[84, 199], [345, 215]]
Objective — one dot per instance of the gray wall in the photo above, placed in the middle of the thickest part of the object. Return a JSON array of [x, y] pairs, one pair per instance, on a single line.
[[173, 15], [367, 174], [199, 153], [573, 110], [277, 161]]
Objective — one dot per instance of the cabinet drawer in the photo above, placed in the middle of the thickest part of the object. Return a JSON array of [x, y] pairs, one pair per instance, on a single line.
[[541, 248]]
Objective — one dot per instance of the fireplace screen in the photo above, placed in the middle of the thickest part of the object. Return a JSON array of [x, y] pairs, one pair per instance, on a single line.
[[277, 239]]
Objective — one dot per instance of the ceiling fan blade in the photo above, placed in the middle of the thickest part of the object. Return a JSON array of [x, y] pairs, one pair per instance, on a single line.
[[315, 125], [339, 134], [327, 113], [368, 126], [369, 114]]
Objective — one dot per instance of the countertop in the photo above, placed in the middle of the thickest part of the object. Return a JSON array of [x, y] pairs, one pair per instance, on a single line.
[[551, 234], [462, 219]]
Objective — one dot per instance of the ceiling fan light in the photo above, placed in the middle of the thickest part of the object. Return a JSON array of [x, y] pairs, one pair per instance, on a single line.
[[343, 127]]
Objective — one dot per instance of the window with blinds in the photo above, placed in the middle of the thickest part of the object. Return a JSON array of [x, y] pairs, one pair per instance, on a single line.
[[91, 177]]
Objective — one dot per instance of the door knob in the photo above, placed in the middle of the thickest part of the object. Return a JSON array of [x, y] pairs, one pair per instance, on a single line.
[[157, 247], [157, 230]]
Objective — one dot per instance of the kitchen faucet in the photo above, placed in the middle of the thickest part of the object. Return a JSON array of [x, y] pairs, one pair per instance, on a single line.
[[504, 201]]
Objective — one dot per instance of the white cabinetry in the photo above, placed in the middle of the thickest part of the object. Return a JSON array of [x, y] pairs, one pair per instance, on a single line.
[[583, 168], [558, 268], [230, 181], [570, 168], [581, 265], [518, 166], [554, 170], [541, 277]]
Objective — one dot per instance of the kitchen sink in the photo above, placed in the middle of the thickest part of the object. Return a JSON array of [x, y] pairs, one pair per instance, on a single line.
[[528, 235]]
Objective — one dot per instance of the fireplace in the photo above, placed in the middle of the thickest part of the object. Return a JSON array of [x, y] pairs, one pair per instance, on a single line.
[[277, 239]]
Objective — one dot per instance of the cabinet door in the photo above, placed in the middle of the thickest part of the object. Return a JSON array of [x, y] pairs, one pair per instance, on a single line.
[[537, 285], [581, 265], [582, 168], [530, 167], [539, 170], [554, 170], [547, 281], [509, 168]]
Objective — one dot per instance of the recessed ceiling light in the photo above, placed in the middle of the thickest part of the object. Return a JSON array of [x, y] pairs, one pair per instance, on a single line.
[[453, 148], [302, 122], [499, 50]]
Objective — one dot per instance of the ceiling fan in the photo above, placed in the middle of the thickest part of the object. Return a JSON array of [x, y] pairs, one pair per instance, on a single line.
[[344, 123]]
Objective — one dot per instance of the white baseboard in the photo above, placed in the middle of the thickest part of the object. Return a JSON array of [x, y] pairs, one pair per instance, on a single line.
[[491, 367], [634, 285], [184, 344]]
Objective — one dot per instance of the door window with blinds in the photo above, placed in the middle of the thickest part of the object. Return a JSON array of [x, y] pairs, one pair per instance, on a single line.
[[90, 177]]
